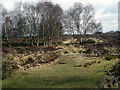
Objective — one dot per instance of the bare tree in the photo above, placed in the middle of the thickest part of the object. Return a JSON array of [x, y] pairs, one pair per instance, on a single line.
[[98, 27], [69, 24], [3, 13], [46, 21], [80, 19], [7, 29], [56, 19], [87, 17], [50, 21]]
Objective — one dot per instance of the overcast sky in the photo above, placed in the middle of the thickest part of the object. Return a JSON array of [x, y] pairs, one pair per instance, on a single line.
[[106, 10]]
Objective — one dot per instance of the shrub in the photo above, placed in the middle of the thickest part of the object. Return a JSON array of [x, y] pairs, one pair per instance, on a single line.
[[74, 51], [105, 51], [67, 44], [29, 61], [93, 61], [7, 69], [62, 62], [88, 51], [118, 56], [99, 62], [80, 51], [90, 41], [48, 57], [77, 65], [87, 63], [66, 52], [84, 51], [107, 58]]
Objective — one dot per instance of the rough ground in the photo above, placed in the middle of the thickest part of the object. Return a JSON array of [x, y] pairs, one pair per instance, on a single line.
[[71, 70]]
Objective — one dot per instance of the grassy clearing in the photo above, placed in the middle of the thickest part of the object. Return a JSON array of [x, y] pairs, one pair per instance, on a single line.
[[71, 70], [60, 75]]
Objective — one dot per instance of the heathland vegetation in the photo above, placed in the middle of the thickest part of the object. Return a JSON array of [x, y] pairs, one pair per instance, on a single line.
[[44, 46]]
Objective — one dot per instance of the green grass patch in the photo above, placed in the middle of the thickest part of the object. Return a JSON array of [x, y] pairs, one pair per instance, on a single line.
[[59, 76]]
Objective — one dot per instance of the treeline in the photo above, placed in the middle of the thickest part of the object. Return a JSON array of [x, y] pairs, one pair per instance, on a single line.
[[47, 21]]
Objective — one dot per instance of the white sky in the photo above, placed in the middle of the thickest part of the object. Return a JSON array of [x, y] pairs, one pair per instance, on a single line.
[[106, 10]]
